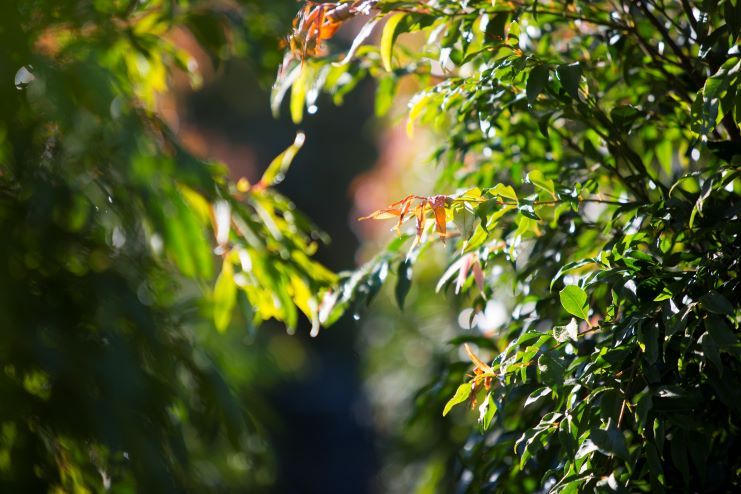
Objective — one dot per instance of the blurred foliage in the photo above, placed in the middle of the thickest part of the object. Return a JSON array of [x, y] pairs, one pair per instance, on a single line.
[[122, 249], [589, 183]]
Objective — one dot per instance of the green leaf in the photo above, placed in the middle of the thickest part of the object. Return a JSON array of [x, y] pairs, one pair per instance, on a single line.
[[298, 94], [362, 35], [504, 191], [711, 352], [495, 27], [536, 82], [536, 178], [276, 171], [610, 441], [721, 333], [461, 395], [403, 282], [385, 95], [465, 219], [678, 450], [716, 303], [574, 300], [225, 296], [387, 39], [551, 368], [536, 395], [569, 76], [488, 415]]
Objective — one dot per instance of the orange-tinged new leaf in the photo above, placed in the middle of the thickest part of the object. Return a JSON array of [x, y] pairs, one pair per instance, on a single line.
[[404, 210], [381, 214], [437, 203], [327, 30], [419, 212], [477, 361]]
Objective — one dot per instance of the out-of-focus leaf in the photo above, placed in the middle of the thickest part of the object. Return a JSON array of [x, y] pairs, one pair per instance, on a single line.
[[387, 39], [362, 35], [716, 303], [385, 95], [570, 76], [298, 94], [225, 296], [276, 171], [403, 282], [536, 82]]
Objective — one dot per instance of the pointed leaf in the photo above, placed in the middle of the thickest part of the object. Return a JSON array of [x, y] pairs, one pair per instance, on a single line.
[[403, 282], [387, 39], [477, 361], [574, 300], [536, 82], [461, 395], [362, 35], [225, 296], [570, 75], [276, 172]]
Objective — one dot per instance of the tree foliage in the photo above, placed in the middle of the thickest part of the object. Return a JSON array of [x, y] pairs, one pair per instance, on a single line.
[[589, 179], [114, 234]]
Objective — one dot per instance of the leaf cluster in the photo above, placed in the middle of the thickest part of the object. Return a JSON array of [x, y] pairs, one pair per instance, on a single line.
[[590, 168]]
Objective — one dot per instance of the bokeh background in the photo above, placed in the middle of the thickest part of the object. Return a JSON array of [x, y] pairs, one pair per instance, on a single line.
[[337, 408]]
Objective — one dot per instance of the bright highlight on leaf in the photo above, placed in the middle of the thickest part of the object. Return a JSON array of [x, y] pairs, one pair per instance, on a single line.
[[225, 297], [387, 40], [461, 395], [276, 171], [566, 333]]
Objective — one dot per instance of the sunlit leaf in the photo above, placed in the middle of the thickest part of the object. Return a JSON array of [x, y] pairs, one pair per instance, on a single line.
[[477, 361], [362, 35], [225, 296], [276, 172], [461, 395], [387, 39], [574, 300]]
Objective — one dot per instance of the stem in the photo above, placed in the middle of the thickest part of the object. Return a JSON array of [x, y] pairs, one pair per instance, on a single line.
[[625, 400]]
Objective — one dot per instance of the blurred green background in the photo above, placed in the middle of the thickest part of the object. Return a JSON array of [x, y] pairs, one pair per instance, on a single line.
[[113, 377]]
